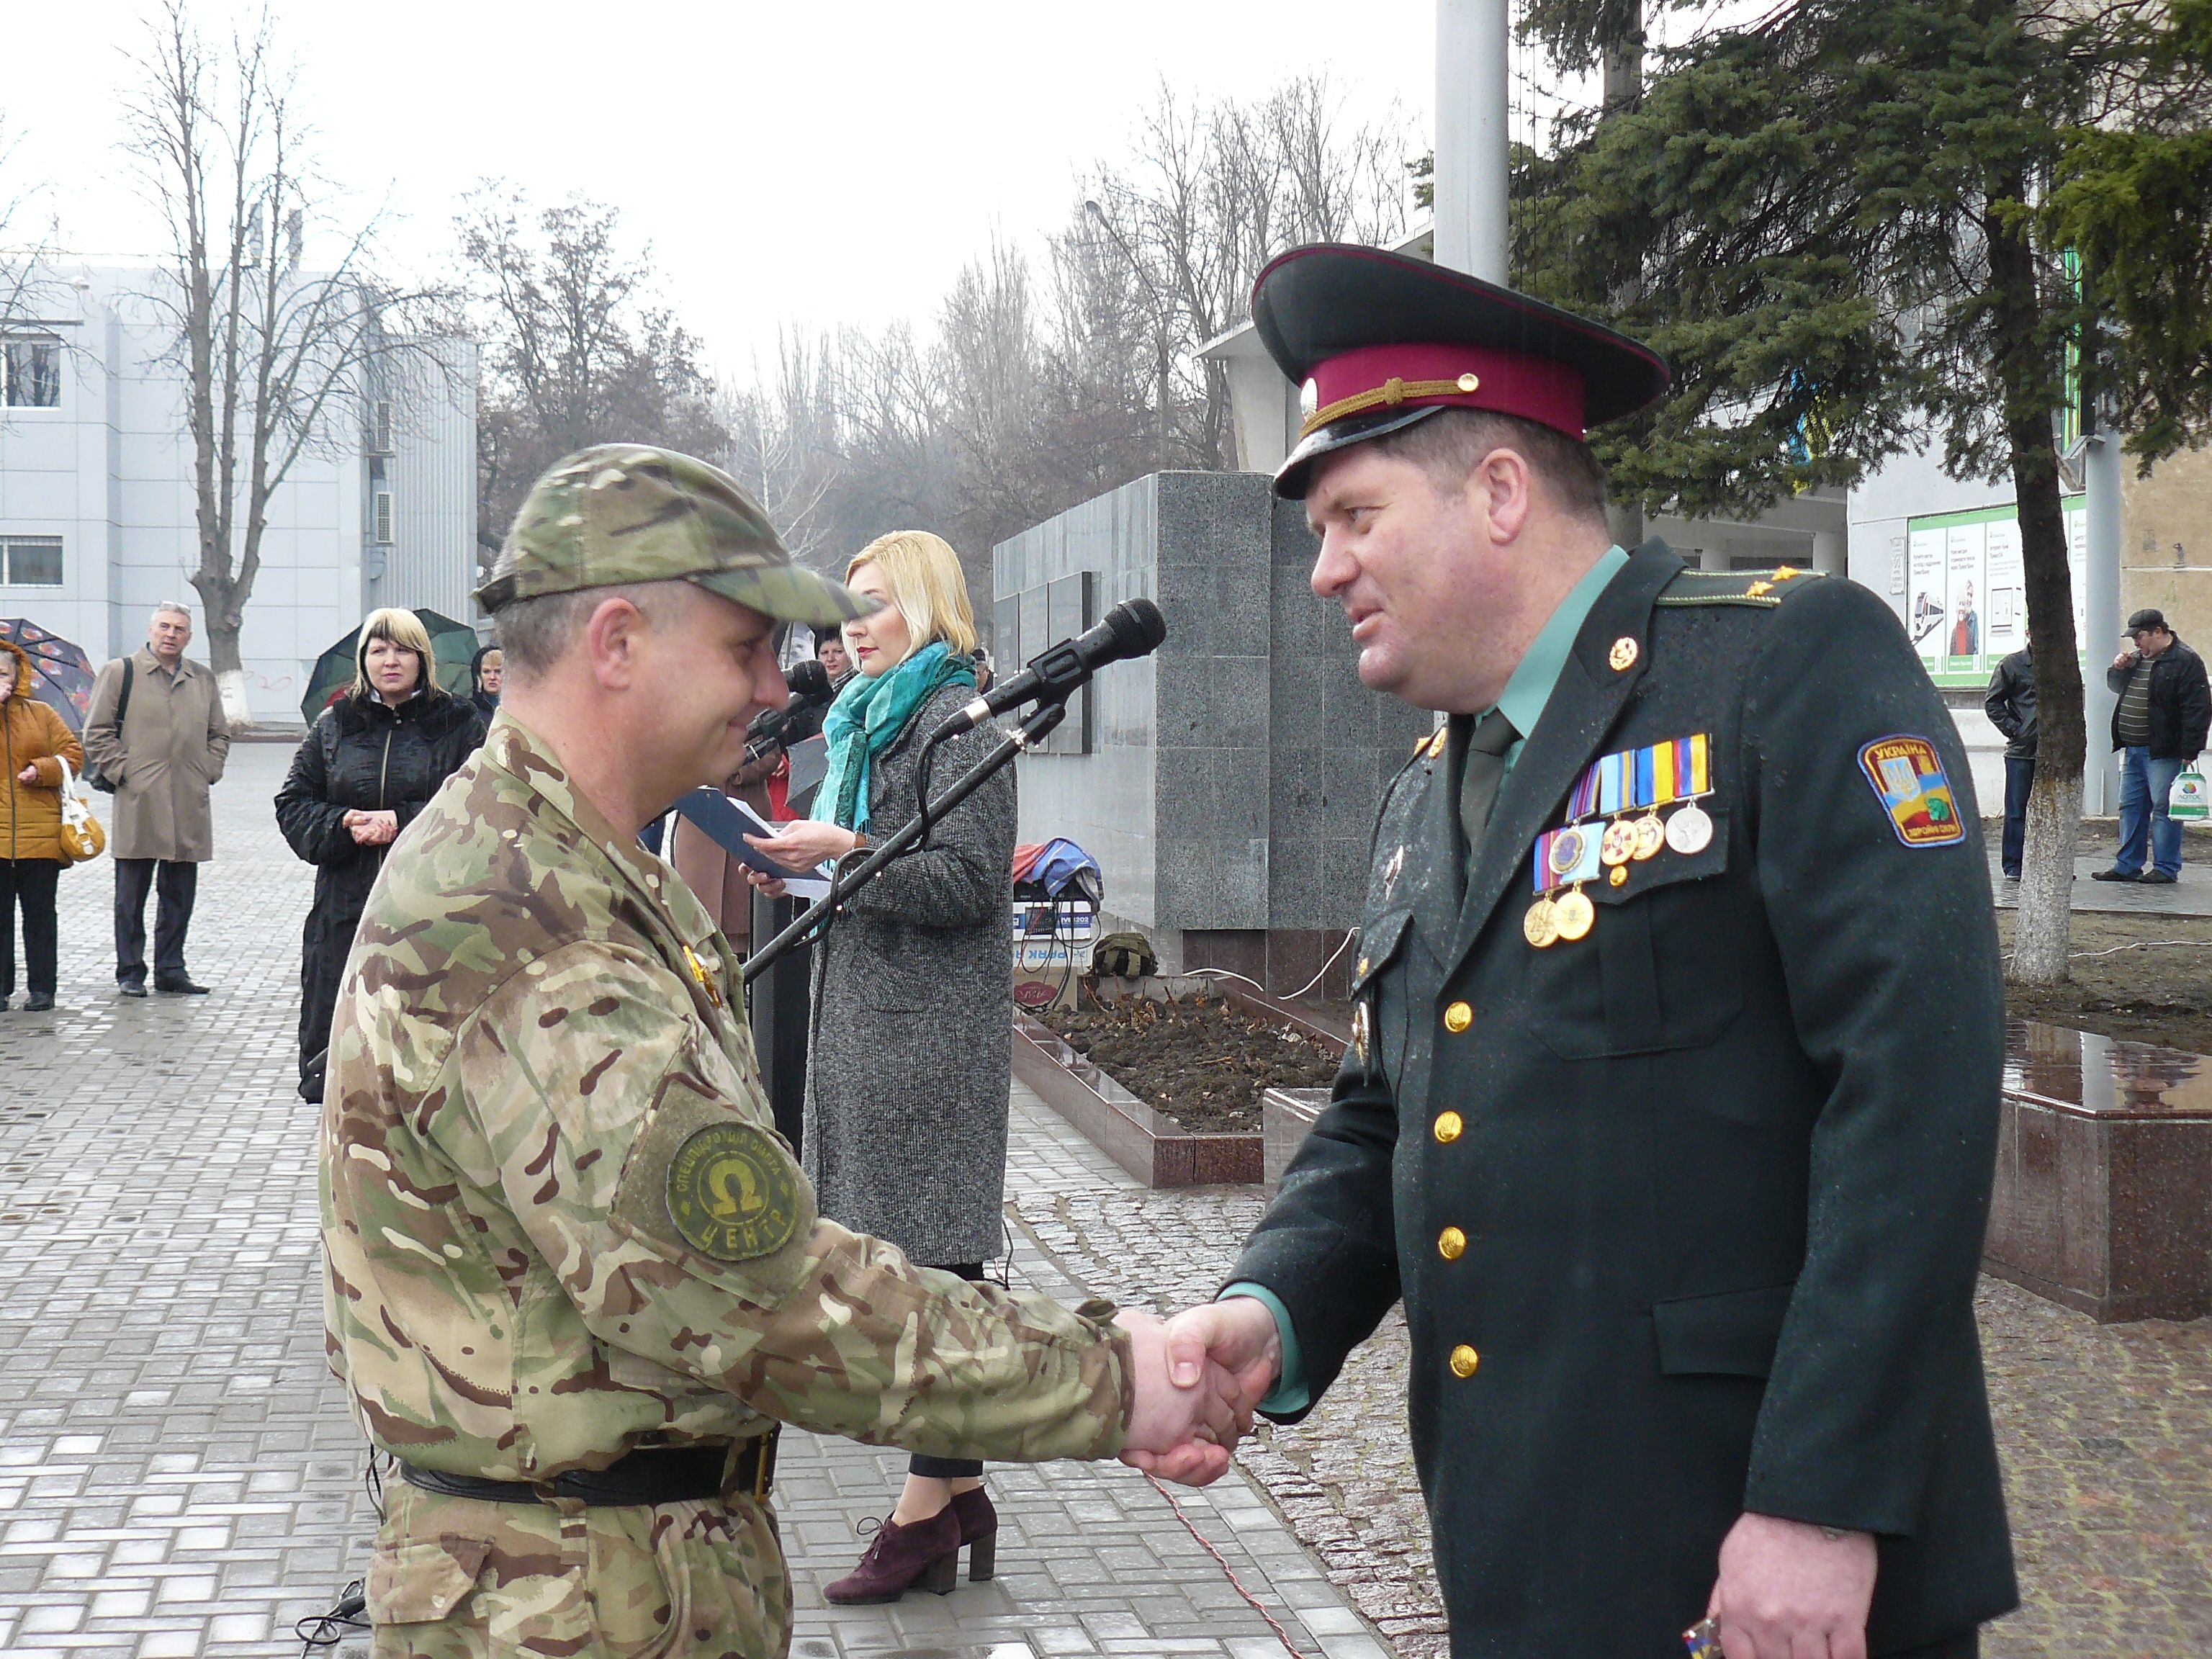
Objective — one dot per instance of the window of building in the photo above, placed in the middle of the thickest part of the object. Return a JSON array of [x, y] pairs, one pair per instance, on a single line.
[[380, 533], [30, 562], [33, 379]]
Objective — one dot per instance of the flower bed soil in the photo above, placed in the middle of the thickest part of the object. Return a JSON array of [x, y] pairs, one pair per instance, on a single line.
[[2142, 978], [1196, 1059]]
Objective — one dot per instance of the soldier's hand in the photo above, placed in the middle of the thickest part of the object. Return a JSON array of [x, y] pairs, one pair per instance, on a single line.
[[1180, 1432], [1788, 1590]]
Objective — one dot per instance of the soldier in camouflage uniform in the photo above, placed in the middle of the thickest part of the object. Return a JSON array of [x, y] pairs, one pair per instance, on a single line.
[[574, 1278]]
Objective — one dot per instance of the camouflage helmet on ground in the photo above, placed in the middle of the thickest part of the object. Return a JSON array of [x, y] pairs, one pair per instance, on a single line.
[[616, 514]]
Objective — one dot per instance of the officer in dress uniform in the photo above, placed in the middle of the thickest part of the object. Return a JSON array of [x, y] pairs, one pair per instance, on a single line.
[[1672, 1100]]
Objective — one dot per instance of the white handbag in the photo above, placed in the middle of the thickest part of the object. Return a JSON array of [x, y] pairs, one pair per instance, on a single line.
[[82, 837]]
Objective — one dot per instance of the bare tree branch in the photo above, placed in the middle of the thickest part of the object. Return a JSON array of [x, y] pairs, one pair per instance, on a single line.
[[279, 362]]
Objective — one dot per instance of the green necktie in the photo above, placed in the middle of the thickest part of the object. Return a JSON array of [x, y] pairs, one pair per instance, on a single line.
[[1480, 773]]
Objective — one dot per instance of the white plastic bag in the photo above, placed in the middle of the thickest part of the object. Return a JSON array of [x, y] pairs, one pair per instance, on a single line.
[[2189, 798]]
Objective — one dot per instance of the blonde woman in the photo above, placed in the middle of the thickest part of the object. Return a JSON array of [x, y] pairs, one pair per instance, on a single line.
[[909, 1067], [373, 760]]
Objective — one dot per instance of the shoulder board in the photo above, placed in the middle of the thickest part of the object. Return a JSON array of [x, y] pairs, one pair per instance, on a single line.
[[1762, 590]]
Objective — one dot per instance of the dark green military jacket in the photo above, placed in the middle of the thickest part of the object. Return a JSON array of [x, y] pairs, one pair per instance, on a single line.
[[1686, 1213]]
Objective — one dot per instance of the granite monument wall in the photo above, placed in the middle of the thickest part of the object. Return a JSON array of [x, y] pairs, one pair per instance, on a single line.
[[1227, 784]]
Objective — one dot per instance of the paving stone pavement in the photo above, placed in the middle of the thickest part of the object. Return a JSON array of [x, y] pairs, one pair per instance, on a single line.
[[178, 1474], [2190, 896]]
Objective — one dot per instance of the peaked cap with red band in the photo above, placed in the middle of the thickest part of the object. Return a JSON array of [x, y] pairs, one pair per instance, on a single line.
[[1379, 341]]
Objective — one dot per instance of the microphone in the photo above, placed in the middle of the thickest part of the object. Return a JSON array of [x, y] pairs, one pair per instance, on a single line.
[[1133, 628], [809, 684]]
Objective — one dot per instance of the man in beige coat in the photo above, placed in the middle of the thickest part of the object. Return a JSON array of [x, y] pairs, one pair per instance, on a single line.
[[156, 732]]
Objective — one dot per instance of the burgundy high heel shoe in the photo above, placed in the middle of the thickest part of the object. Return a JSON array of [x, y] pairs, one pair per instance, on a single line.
[[926, 1553], [979, 1531]]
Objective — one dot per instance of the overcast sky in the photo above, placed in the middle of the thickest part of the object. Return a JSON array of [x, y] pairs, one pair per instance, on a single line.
[[790, 163]]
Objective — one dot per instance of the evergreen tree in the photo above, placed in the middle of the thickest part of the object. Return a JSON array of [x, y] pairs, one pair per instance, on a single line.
[[1847, 225]]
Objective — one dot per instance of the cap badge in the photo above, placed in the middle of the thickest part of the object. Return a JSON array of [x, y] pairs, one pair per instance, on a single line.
[[1308, 399], [1622, 657]]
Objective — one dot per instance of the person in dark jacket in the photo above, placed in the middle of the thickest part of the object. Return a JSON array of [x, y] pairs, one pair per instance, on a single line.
[[2011, 706], [917, 966], [371, 763], [1677, 1051], [487, 671], [2158, 727]]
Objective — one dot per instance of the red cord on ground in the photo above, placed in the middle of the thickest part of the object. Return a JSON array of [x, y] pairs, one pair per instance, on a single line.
[[1228, 1571]]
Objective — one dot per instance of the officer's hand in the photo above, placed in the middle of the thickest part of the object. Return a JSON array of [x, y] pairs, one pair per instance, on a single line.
[[1788, 1590], [1179, 1432], [1238, 1334]]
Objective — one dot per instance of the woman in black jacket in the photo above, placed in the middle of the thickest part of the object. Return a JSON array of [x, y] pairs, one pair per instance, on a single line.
[[372, 763]]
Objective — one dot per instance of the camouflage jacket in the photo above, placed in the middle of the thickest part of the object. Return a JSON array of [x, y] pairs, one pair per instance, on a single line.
[[557, 1222]]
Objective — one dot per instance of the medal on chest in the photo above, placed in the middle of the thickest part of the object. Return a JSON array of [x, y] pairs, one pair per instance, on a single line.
[[1613, 821]]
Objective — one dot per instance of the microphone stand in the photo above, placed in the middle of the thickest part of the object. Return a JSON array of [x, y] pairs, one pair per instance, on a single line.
[[1039, 725]]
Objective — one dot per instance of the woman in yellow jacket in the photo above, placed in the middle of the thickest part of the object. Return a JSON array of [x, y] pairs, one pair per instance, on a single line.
[[34, 742]]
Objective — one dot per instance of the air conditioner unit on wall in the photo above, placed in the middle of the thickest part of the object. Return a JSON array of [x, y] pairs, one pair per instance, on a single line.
[[381, 521], [379, 428]]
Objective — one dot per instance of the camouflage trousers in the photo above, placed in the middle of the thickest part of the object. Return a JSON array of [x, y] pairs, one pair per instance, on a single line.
[[458, 1579]]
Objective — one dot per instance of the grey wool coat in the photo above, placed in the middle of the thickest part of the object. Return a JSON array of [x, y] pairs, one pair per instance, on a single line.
[[171, 748], [912, 1049]]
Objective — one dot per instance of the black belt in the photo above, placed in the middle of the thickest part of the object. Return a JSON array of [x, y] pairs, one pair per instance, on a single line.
[[672, 1474]]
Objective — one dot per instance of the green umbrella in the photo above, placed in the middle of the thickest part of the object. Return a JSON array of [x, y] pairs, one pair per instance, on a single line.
[[453, 643]]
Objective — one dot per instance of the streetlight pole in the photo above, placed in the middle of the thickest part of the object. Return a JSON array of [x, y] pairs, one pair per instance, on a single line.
[[1473, 77], [1159, 323]]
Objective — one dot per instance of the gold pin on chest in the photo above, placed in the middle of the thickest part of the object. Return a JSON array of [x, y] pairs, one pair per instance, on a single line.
[[699, 973]]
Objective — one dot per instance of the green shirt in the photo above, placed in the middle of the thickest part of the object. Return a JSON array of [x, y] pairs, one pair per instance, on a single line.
[[1522, 702]]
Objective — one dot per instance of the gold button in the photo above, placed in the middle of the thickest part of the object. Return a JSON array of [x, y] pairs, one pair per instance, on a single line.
[[1624, 654], [1448, 1125], [1464, 1359], [1451, 1244], [1363, 965], [1458, 1017], [1469, 383]]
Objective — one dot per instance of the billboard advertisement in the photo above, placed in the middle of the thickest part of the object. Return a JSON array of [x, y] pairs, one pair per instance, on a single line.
[[1966, 600]]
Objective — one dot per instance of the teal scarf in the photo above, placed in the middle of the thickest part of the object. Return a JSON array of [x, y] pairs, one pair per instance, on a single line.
[[867, 718]]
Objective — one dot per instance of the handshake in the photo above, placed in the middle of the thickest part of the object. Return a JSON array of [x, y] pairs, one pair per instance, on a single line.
[[1199, 1377]]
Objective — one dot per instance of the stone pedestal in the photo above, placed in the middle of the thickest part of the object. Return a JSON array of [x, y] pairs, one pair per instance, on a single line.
[[1286, 1115], [2103, 1199]]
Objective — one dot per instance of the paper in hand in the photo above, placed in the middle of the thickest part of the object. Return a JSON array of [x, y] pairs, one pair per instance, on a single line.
[[726, 821]]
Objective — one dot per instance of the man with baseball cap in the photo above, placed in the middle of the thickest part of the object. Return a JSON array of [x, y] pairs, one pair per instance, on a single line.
[[575, 1281], [2158, 727], [1671, 1100]]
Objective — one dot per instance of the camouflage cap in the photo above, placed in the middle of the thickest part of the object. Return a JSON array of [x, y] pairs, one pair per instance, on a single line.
[[631, 513]]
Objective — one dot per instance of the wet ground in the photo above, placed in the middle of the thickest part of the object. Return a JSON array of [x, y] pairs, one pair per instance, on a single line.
[[2145, 978]]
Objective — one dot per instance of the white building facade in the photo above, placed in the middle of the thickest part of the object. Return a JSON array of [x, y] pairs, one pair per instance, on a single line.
[[97, 517]]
